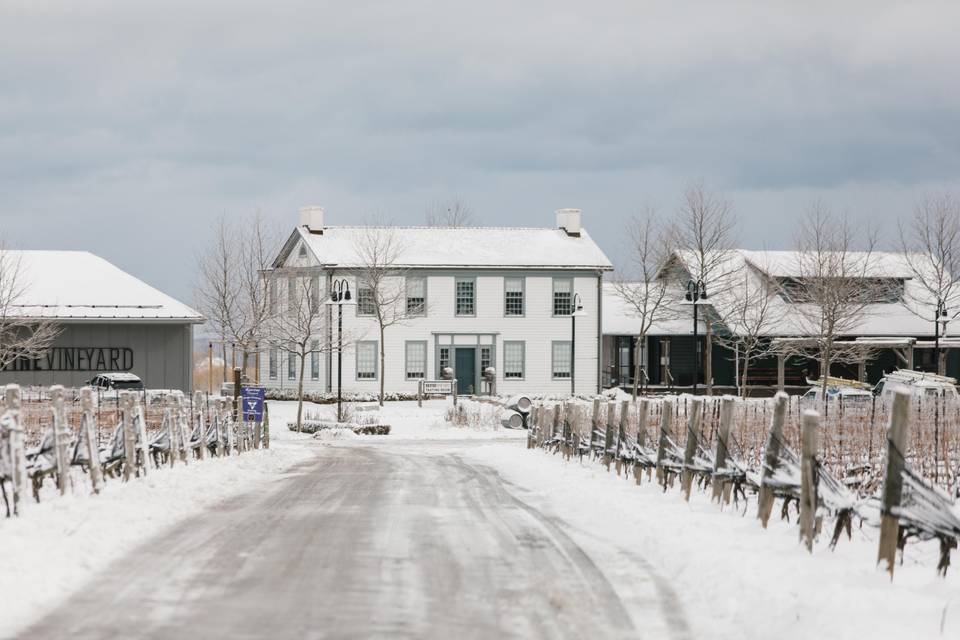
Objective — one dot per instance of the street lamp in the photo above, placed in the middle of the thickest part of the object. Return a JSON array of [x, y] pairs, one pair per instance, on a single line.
[[340, 295], [576, 309], [696, 291], [941, 317]]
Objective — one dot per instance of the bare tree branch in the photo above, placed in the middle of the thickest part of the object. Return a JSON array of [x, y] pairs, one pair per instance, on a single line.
[[24, 334], [449, 213]]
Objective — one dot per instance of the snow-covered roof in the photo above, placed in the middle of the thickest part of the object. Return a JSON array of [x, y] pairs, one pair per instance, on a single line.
[[470, 247], [620, 318], [752, 270], [78, 285]]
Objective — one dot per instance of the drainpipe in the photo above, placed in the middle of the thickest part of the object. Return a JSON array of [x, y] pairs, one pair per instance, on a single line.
[[599, 332]]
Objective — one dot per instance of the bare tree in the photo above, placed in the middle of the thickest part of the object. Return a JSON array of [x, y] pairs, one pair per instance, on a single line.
[[643, 291], [292, 328], [381, 283], [231, 291], [255, 250], [838, 280], [24, 334], [218, 289], [930, 243], [449, 213], [706, 232], [748, 308]]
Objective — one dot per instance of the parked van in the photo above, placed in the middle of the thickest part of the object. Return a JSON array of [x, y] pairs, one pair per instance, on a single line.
[[920, 384], [849, 391]]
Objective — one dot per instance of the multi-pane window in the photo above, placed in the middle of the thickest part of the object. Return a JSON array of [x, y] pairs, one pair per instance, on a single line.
[[314, 294], [292, 362], [416, 295], [561, 360], [444, 360], [314, 359], [416, 360], [466, 296], [365, 306], [562, 296], [367, 360], [291, 295], [272, 294], [513, 296], [513, 360], [486, 358], [273, 364]]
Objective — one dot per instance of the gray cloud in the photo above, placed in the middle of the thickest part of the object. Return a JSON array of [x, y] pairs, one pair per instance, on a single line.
[[126, 129]]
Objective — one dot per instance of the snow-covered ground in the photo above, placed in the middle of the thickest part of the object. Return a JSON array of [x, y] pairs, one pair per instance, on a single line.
[[58, 544], [736, 580]]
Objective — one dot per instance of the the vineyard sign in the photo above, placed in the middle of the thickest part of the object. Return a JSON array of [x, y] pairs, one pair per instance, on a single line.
[[78, 359]]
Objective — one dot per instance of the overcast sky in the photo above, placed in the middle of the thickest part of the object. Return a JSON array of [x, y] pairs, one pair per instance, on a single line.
[[127, 130]]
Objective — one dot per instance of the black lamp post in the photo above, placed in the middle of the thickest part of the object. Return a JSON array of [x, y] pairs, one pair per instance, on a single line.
[[940, 317], [340, 295], [576, 307], [696, 291]]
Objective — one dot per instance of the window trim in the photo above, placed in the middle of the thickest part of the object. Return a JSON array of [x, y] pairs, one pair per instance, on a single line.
[[523, 297], [523, 360], [553, 360], [406, 302], [373, 310], [553, 295], [406, 359], [273, 364], [457, 280], [438, 358], [376, 361], [314, 359], [292, 362]]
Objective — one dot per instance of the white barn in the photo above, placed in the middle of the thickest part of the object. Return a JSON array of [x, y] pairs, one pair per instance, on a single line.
[[478, 297]]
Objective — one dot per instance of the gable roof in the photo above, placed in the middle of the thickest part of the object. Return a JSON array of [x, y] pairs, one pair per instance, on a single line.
[[460, 248], [78, 285]]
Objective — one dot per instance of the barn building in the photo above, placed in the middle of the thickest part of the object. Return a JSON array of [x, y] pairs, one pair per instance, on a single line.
[[108, 321], [897, 329], [522, 302]]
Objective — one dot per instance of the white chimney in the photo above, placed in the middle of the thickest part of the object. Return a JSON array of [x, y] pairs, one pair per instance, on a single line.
[[569, 221], [312, 218]]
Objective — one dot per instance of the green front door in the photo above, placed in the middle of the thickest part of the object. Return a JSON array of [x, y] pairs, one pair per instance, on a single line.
[[465, 370]]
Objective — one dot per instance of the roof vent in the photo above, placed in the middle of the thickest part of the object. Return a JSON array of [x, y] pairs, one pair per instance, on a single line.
[[569, 221], [312, 219]]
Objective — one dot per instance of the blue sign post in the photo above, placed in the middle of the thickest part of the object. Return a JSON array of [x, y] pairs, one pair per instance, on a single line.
[[251, 399]]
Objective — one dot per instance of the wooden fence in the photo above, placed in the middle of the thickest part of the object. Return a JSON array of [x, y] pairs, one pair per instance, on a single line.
[[47, 436], [842, 467]]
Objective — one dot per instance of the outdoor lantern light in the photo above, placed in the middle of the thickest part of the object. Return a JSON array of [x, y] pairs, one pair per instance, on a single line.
[[339, 295], [696, 291]]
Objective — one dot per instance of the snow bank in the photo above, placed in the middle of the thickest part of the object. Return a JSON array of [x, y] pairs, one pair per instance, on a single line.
[[736, 580], [58, 544]]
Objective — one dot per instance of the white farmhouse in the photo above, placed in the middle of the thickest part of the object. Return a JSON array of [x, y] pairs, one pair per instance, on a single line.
[[473, 299]]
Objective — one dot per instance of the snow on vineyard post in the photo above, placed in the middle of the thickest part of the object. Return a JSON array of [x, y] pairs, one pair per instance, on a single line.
[[721, 492], [17, 453], [88, 435], [893, 480], [808, 478], [771, 458], [693, 437]]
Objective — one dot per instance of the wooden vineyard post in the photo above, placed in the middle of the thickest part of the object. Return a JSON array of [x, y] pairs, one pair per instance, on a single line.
[[129, 435], [140, 420], [808, 478], [608, 434], [88, 433], [218, 426], [594, 424], [182, 437], [643, 408], [266, 426], [201, 427], [18, 460], [555, 427], [771, 458], [723, 452], [541, 424], [257, 433], [168, 421], [665, 418], [893, 481], [567, 432], [61, 438], [622, 433], [693, 437]]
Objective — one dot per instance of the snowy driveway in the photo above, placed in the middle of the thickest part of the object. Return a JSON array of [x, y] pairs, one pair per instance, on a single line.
[[393, 539]]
